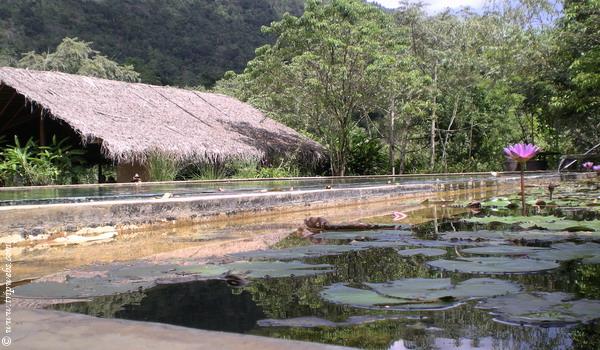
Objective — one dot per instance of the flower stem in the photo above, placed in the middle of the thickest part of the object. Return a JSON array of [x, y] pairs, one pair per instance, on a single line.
[[523, 189]]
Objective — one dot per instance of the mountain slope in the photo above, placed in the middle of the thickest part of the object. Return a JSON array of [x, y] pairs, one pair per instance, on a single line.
[[174, 42]]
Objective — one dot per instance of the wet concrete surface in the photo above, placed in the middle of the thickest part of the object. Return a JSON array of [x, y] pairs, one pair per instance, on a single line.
[[43, 329]]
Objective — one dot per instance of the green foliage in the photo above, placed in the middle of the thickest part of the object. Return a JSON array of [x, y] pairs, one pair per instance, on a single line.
[[77, 57], [162, 167], [32, 165], [367, 154], [323, 72], [186, 43], [575, 103], [284, 169]]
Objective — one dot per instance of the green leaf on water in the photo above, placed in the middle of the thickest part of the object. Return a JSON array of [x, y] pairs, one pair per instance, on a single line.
[[493, 265], [541, 308]]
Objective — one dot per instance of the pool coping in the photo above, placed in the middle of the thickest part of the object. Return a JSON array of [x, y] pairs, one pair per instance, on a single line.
[[33, 220], [45, 329]]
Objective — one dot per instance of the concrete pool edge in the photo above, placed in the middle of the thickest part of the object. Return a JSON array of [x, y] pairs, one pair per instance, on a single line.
[[32, 220], [45, 329]]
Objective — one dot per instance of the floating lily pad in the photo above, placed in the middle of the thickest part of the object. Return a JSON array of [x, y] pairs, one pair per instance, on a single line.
[[417, 293], [542, 222], [428, 289], [206, 270], [525, 236], [504, 250], [102, 280], [78, 288], [385, 235], [261, 269], [313, 322], [499, 202], [541, 308], [496, 265], [341, 294], [588, 252], [422, 251], [412, 242], [309, 251]]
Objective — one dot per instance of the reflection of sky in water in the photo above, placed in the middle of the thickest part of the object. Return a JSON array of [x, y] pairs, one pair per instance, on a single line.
[[545, 341]]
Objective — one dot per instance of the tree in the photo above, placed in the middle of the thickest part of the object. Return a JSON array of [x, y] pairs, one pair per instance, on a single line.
[[321, 74], [77, 57], [576, 102]]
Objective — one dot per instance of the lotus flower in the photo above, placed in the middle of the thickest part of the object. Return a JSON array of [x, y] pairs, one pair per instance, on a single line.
[[521, 152], [588, 165]]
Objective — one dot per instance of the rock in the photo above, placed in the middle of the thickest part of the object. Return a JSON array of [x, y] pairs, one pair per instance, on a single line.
[[38, 230], [71, 228]]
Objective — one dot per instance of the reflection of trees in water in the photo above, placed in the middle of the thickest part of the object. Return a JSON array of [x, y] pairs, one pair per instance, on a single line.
[[214, 305], [292, 297], [464, 324]]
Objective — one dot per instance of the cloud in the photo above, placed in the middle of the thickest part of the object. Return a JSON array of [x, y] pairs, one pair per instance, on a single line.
[[437, 5]]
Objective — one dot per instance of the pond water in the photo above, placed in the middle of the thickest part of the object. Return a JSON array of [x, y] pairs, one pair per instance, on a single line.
[[106, 192], [487, 279]]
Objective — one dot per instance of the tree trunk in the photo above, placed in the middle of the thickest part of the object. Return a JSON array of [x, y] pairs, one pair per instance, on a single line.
[[433, 118], [392, 136], [447, 136], [403, 144]]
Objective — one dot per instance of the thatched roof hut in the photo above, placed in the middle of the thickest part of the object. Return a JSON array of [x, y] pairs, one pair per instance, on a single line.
[[129, 120]]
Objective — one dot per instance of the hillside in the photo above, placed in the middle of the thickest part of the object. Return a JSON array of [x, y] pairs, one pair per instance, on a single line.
[[185, 42]]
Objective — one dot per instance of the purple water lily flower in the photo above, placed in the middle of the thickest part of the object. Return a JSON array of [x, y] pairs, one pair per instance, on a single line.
[[596, 168], [521, 152], [588, 165]]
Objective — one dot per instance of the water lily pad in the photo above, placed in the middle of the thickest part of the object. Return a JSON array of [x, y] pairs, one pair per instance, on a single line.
[[422, 251], [413, 242], [495, 265], [542, 308], [379, 235], [313, 322], [588, 252], [498, 202], [503, 250], [416, 293], [523, 236], [78, 288], [261, 269], [309, 251], [341, 294], [97, 280], [428, 289], [206, 270], [542, 222]]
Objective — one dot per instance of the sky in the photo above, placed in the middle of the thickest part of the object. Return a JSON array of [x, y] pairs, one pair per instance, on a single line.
[[437, 5]]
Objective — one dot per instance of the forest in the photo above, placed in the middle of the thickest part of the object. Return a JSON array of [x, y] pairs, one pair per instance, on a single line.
[[174, 42], [384, 90], [437, 93]]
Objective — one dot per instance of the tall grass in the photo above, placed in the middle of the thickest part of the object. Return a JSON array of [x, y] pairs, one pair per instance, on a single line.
[[162, 167]]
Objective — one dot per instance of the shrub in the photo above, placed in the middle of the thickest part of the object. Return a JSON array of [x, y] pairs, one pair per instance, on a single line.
[[162, 167]]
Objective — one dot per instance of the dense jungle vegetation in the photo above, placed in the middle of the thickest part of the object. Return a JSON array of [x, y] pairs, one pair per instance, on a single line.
[[379, 88], [174, 42]]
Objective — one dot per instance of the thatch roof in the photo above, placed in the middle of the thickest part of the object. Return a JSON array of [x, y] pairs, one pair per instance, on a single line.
[[133, 119]]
